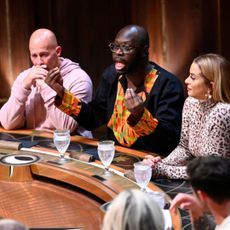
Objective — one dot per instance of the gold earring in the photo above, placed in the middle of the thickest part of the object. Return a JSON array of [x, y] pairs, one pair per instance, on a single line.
[[208, 95]]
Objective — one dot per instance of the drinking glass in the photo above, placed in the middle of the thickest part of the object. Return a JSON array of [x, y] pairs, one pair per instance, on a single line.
[[142, 174], [158, 197], [61, 141], [106, 151]]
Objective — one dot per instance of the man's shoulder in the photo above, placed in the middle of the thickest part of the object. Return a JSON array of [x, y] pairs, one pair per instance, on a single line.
[[67, 65], [165, 74], [109, 74], [110, 70], [167, 81], [225, 225], [72, 71]]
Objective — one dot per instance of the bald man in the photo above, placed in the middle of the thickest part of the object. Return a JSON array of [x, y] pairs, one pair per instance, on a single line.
[[140, 102], [31, 103]]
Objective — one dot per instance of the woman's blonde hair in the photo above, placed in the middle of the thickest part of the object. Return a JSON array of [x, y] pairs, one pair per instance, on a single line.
[[216, 69], [10, 224], [133, 210]]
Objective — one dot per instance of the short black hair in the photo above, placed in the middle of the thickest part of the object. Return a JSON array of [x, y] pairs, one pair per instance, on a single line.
[[141, 33], [211, 175], [144, 36]]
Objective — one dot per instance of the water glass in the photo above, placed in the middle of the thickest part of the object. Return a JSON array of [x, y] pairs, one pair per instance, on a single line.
[[61, 141], [142, 174], [158, 197], [106, 151]]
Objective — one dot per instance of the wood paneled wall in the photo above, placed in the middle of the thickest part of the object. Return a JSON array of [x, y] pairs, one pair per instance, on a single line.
[[14, 34], [179, 31]]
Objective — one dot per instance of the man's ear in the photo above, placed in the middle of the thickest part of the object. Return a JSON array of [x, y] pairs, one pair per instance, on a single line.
[[202, 196], [58, 50], [146, 49]]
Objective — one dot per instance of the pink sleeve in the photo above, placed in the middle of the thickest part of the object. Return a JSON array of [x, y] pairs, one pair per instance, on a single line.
[[12, 114]]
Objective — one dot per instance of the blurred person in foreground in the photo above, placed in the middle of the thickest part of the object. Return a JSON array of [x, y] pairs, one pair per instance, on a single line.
[[9, 224], [209, 178], [206, 118], [31, 103], [133, 210], [140, 102]]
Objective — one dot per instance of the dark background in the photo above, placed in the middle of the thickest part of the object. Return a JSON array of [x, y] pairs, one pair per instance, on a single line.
[[179, 31]]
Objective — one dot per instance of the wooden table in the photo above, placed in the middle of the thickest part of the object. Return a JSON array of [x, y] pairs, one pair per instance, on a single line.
[[47, 195]]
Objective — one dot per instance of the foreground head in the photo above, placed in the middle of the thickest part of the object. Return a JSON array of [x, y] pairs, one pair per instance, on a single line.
[[44, 49], [133, 210], [9, 224], [209, 78], [211, 175], [130, 48]]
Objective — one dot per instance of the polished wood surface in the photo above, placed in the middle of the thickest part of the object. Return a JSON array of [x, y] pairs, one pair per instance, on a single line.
[[43, 204], [45, 194]]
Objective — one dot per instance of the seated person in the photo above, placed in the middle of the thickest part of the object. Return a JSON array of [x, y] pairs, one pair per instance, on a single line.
[[209, 177], [140, 102], [31, 103], [133, 210], [206, 118]]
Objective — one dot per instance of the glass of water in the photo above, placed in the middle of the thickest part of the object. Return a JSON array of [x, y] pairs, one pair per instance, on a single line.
[[142, 174], [158, 197], [106, 151], [61, 140]]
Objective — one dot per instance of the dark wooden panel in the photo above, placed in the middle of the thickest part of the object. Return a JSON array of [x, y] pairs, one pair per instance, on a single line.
[[182, 35], [16, 21], [4, 54], [210, 27], [84, 29], [224, 28], [179, 30]]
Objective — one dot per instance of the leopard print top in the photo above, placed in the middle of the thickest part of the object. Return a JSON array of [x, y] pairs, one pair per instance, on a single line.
[[205, 131]]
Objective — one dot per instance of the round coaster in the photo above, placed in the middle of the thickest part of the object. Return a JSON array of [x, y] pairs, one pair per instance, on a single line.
[[124, 160], [19, 159]]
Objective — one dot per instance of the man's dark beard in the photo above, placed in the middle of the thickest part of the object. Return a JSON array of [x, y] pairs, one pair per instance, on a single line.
[[132, 67]]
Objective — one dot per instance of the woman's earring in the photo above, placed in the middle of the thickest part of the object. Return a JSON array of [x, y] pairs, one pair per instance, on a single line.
[[208, 95]]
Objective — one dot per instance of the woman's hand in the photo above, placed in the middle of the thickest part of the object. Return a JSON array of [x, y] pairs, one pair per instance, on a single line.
[[151, 160]]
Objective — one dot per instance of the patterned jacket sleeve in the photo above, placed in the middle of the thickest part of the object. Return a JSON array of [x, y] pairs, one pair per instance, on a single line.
[[174, 165], [217, 141]]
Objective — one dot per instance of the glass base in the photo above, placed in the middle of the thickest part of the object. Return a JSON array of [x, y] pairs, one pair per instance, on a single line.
[[143, 190], [60, 161], [107, 173]]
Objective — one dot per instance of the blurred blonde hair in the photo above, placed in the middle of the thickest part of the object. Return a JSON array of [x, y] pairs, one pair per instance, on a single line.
[[216, 69], [10, 224], [133, 210]]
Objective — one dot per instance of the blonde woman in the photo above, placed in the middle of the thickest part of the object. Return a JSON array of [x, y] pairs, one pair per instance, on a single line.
[[133, 210], [206, 118]]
